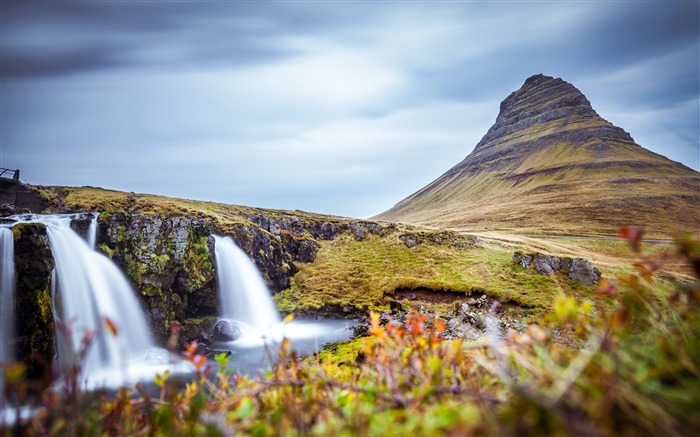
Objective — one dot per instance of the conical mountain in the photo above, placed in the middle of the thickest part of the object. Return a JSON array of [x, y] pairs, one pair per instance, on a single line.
[[551, 164]]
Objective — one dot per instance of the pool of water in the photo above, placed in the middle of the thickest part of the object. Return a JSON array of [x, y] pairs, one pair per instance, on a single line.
[[255, 352]]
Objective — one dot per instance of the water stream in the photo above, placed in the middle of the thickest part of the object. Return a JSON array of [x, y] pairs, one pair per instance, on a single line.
[[7, 304], [92, 232], [103, 327], [243, 293], [246, 302]]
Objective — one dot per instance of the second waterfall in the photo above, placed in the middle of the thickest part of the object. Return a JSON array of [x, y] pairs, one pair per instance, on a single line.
[[244, 295]]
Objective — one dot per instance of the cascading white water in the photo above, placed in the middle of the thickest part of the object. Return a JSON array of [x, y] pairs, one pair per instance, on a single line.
[[7, 306], [244, 295], [89, 293], [92, 232], [246, 300], [92, 289]]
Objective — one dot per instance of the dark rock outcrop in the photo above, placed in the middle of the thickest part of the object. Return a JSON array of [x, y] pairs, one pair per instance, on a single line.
[[170, 261], [277, 242], [81, 223], [21, 197], [413, 239], [578, 269], [33, 308]]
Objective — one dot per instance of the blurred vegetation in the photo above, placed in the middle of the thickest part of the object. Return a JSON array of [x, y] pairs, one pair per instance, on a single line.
[[630, 368]]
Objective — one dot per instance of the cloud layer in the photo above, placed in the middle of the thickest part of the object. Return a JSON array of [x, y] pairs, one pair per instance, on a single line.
[[342, 107]]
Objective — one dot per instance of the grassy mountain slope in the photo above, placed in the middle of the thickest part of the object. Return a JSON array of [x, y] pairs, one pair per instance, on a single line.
[[550, 164]]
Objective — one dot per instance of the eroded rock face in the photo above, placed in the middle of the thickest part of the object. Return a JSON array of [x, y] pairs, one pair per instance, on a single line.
[[34, 311], [272, 254], [413, 239], [276, 243], [578, 269], [169, 260]]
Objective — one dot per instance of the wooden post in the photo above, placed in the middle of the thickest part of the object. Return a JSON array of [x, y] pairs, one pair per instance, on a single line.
[[16, 176]]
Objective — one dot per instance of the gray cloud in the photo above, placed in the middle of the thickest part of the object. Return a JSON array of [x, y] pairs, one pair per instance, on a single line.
[[341, 108]]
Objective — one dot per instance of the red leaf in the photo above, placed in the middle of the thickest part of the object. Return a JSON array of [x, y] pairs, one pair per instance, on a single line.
[[633, 234], [606, 287]]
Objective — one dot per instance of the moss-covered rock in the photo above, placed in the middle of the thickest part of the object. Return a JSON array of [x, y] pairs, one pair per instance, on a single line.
[[169, 260], [33, 265]]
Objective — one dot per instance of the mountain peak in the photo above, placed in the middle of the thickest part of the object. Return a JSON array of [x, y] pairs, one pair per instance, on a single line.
[[549, 154], [548, 100]]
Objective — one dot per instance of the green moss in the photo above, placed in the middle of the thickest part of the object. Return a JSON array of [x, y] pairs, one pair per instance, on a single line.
[[106, 250], [122, 235], [197, 263], [339, 360], [151, 290], [159, 263]]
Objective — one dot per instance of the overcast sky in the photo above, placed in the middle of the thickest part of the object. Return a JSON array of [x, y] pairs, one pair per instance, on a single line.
[[333, 107]]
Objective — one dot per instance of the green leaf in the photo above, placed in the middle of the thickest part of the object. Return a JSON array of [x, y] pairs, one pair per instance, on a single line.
[[160, 380], [244, 409], [222, 359]]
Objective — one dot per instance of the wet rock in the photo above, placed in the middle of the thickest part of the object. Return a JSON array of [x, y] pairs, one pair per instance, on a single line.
[[21, 197], [81, 224], [33, 307], [227, 330], [197, 329], [157, 315], [8, 209], [272, 255]]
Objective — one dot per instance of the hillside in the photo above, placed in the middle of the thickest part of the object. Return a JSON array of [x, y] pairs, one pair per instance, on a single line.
[[551, 165], [357, 263]]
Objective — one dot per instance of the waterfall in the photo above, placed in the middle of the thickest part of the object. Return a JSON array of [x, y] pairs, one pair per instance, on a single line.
[[89, 293], [7, 291], [92, 232], [244, 295], [92, 289]]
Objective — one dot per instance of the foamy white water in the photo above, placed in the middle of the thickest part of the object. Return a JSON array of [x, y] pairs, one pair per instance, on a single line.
[[7, 305], [89, 292], [92, 232], [243, 292]]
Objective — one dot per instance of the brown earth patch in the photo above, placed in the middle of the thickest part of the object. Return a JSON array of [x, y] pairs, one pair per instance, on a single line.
[[433, 297]]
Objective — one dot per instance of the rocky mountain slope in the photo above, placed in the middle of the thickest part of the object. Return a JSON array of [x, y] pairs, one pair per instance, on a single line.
[[551, 164]]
